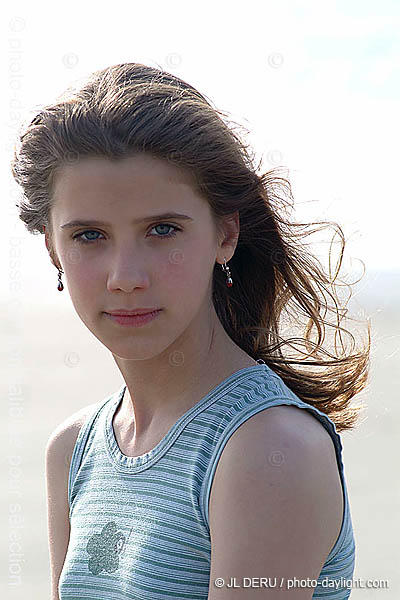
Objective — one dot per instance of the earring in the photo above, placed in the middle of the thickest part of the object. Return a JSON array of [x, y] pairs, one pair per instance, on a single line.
[[225, 268], [60, 286]]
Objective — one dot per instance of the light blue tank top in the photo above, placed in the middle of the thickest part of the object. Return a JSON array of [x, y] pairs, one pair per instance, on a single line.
[[139, 525]]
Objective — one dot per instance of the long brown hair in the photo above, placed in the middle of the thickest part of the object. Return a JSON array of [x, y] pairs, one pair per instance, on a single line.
[[129, 108]]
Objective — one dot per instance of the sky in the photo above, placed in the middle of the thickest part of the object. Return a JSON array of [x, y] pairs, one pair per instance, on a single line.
[[316, 84]]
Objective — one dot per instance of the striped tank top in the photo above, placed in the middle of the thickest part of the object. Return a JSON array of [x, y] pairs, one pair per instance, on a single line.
[[139, 526]]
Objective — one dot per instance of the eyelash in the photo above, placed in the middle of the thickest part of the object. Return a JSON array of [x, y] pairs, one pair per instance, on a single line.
[[81, 240]]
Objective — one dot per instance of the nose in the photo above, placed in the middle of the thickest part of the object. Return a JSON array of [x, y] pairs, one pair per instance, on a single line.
[[127, 271]]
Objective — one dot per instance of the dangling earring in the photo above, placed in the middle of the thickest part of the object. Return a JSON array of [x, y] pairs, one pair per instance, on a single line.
[[60, 286], [225, 268]]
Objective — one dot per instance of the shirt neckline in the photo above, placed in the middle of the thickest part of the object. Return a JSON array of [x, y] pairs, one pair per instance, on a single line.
[[135, 464]]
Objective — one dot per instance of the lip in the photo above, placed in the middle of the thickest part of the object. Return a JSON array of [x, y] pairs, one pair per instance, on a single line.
[[129, 320], [135, 311]]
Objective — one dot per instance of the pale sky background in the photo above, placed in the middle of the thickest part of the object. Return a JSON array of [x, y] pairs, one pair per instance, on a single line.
[[316, 83]]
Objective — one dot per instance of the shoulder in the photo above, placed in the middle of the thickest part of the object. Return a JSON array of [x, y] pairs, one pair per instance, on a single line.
[[283, 436], [61, 442], [276, 497], [285, 428], [58, 454]]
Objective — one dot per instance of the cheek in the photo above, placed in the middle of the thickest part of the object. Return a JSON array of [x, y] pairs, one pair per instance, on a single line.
[[187, 271], [84, 275], [85, 284]]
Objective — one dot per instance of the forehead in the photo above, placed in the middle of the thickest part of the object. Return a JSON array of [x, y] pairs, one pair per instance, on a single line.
[[138, 174]]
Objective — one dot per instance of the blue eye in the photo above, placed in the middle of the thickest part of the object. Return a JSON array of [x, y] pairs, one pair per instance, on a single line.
[[83, 240], [171, 233]]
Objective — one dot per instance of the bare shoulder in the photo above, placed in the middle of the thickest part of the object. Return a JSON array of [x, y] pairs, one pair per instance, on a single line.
[[58, 455], [63, 438], [276, 500], [286, 426], [283, 435]]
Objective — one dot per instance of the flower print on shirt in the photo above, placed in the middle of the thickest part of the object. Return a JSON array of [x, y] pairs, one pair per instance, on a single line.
[[105, 548]]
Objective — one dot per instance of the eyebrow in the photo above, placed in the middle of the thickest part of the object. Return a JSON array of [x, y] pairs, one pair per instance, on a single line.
[[89, 223]]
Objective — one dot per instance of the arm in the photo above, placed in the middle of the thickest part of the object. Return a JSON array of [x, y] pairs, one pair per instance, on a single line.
[[58, 456], [275, 507]]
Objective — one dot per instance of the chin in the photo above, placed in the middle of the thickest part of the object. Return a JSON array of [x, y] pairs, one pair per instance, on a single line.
[[129, 347]]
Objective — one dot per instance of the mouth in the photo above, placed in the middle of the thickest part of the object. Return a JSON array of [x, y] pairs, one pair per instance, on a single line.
[[132, 313], [133, 320]]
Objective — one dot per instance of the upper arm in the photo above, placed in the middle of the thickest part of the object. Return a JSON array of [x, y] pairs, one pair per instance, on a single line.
[[58, 456], [275, 505]]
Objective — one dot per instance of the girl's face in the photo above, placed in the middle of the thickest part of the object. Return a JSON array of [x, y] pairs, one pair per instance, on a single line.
[[132, 258]]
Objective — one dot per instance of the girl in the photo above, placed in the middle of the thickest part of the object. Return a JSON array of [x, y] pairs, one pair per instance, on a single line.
[[215, 471]]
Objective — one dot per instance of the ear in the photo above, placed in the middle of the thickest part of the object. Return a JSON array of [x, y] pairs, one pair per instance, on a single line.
[[46, 238], [47, 241], [229, 228]]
